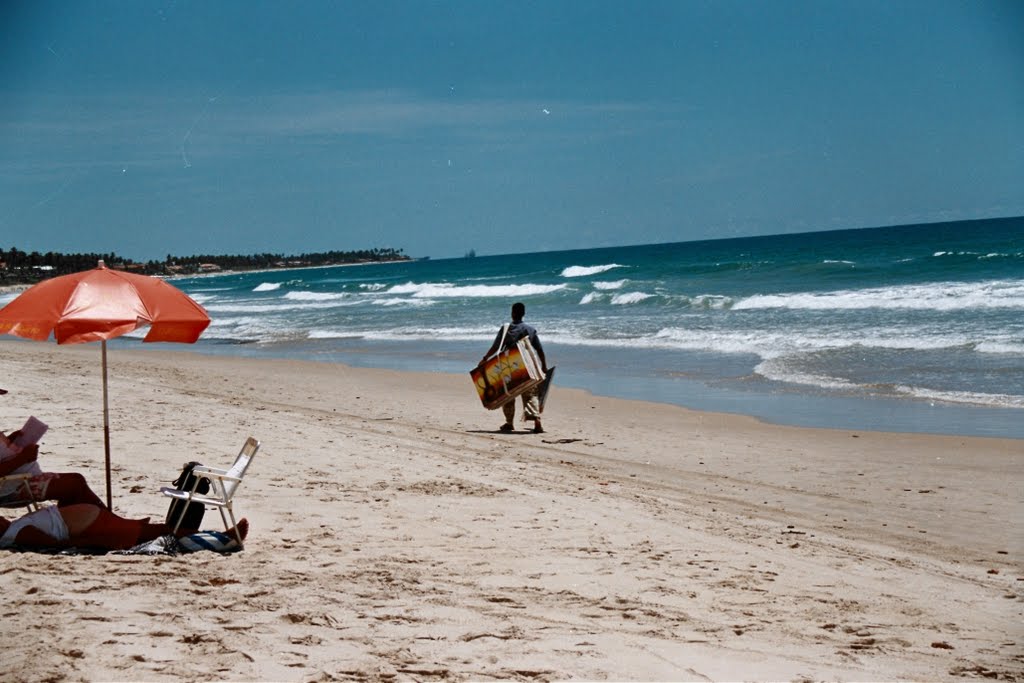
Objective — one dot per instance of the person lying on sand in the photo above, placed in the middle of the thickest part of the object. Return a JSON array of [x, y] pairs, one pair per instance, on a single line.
[[66, 488], [88, 526]]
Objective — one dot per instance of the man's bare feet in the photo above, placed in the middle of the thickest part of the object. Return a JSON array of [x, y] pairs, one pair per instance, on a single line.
[[242, 529]]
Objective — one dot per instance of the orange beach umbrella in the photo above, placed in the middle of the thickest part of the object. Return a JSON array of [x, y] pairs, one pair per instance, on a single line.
[[101, 304]]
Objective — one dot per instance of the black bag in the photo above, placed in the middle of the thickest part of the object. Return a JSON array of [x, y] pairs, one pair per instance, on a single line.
[[195, 511]]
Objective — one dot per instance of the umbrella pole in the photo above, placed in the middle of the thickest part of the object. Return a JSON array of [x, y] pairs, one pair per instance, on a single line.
[[106, 424]]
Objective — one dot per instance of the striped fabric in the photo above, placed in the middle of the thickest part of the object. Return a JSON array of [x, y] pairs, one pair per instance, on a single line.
[[216, 541]]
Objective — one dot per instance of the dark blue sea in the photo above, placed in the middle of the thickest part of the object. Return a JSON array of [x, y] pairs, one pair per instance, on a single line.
[[916, 328]]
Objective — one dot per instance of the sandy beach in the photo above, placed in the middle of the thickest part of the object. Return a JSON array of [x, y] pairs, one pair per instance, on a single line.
[[396, 535]]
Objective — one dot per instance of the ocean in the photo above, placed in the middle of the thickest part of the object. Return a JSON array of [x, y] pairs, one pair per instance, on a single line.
[[916, 328]]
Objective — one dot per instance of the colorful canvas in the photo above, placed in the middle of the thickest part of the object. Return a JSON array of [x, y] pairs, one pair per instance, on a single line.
[[507, 374]]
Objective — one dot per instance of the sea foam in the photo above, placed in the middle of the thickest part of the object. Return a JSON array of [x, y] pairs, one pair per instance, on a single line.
[[943, 296], [617, 284], [583, 271], [315, 296], [630, 298], [444, 290]]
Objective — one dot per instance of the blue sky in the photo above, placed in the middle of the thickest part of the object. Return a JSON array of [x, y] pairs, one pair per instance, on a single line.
[[198, 127]]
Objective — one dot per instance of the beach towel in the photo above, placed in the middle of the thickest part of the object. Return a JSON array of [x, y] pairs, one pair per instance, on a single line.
[[216, 541]]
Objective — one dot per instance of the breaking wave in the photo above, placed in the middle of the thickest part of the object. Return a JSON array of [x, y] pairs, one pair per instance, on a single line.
[[583, 271], [316, 296], [630, 298], [617, 284], [444, 290], [947, 296]]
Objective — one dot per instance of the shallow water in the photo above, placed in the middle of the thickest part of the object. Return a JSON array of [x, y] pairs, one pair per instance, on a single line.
[[910, 328]]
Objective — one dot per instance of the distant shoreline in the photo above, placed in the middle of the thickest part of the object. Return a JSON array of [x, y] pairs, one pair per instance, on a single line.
[[20, 287], [219, 273]]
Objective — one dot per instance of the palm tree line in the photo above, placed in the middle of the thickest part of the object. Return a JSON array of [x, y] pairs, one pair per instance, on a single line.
[[21, 267]]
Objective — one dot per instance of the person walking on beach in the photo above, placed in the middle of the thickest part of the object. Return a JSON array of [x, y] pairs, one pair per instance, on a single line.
[[516, 331]]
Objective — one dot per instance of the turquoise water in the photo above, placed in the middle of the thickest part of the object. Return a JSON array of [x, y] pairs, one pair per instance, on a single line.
[[911, 328]]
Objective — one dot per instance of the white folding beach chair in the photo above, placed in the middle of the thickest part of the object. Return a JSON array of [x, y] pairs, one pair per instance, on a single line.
[[223, 484], [18, 496]]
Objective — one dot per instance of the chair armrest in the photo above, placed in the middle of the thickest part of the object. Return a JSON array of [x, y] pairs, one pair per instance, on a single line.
[[21, 484], [188, 496], [203, 469], [211, 473], [21, 494]]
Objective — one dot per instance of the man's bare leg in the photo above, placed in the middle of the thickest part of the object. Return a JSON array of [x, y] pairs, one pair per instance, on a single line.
[[71, 488]]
